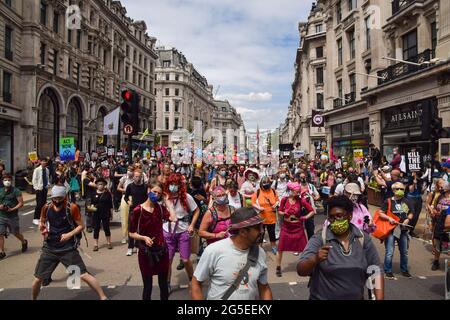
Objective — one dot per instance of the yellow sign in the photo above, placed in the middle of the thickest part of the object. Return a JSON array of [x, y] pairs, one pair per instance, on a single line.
[[100, 140], [358, 154], [32, 156]]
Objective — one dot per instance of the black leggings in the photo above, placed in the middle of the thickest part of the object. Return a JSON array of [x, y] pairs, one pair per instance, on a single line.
[[148, 285], [271, 231], [98, 219]]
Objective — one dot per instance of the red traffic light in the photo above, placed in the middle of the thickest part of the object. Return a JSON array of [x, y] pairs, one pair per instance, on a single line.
[[127, 95]]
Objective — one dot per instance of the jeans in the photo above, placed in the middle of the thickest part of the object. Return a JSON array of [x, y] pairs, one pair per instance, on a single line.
[[389, 244]]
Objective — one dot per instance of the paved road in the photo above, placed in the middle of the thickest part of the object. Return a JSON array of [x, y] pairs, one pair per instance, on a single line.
[[121, 278]]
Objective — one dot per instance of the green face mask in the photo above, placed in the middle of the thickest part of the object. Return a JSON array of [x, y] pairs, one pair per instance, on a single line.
[[400, 193], [339, 227]]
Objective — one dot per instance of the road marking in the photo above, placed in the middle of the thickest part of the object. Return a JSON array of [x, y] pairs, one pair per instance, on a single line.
[[292, 283], [111, 287], [27, 213], [422, 277]]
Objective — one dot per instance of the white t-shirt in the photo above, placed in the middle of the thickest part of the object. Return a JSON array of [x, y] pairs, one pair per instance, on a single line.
[[181, 213], [220, 264], [281, 188], [248, 189], [235, 201]]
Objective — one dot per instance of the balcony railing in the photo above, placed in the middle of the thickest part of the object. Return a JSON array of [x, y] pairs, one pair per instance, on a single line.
[[337, 103], [402, 69], [350, 98], [398, 5]]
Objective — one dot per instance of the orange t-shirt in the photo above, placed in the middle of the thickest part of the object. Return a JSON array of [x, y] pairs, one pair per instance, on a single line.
[[266, 200]]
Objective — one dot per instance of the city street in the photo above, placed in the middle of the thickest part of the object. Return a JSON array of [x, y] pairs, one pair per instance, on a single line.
[[120, 276]]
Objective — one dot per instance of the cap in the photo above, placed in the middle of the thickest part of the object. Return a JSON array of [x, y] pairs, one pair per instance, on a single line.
[[245, 217], [58, 192], [352, 188]]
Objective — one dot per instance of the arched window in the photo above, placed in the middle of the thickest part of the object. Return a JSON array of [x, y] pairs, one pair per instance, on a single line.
[[48, 124], [74, 122]]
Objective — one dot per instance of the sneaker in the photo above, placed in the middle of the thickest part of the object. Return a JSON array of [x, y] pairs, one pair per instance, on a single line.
[[95, 248], [389, 275], [274, 250], [2, 255], [406, 275], [89, 230], [295, 253], [24, 246], [36, 222], [124, 241], [264, 241], [435, 265], [278, 273], [129, 252], [180, 265]]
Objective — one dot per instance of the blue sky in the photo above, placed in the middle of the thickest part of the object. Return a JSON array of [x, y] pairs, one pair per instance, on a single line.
[[247, 47]]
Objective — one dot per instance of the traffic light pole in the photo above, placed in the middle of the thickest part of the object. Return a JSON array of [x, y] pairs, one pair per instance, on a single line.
[[129, 149]]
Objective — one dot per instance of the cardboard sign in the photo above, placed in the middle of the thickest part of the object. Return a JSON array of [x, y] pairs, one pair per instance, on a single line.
[[32, 156], [414, 161], [111, 151], [358, 154], [67, 148]]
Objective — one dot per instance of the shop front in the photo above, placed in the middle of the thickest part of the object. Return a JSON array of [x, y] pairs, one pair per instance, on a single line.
[[402, 128], [350, 136]]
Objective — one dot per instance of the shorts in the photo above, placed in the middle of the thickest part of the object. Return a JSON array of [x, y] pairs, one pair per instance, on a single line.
[[271, 231], [48, 262], [180, 241], [11, 223]]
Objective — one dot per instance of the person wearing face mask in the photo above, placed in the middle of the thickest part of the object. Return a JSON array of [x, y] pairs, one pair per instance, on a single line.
[[361, 215], [88, 187], [266, 201], [309, 192], [440, 236], [146, 228], [59, 223], [280, 184], [177, 235], [250, 185], [11, 201], [396, 160], [240, 177], [338, 185], [124, 207], [102, 201], [137, 190], [292, 235], [237, 260], [41, 183], [220, 179], [215, 222], [399, 206], [337, 257], [119, 172], [235, 199]]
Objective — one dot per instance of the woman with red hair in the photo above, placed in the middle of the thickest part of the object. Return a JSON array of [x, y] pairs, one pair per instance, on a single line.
[[177, 234]]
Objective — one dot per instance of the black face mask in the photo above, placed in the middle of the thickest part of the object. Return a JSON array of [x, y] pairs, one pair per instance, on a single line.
[[266, 186], [58, 204]]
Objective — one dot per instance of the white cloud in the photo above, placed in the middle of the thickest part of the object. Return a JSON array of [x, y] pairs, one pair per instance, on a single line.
[[247, 47]]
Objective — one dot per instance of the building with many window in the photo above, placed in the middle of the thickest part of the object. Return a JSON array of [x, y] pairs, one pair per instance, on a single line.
[[225, 117], [183, 95], [59, 82], [385, 66]]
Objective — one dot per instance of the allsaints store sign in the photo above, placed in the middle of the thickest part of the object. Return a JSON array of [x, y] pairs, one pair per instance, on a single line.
[[409, 115]]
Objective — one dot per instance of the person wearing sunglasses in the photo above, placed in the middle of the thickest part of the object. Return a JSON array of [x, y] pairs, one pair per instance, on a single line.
[[399, 206]]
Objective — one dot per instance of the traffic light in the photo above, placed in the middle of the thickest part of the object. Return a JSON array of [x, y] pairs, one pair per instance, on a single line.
[[130, 108]]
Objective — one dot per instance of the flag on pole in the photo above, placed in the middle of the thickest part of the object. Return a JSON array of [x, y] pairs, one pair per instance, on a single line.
[[146, 133], [111, 123]]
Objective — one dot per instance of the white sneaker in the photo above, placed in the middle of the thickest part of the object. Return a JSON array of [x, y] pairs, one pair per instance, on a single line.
[[36, 222], [124, 240], [295, 253], [129, 252], [264, 241]]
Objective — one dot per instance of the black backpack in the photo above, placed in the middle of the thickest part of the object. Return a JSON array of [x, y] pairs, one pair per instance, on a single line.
[[216, 219]]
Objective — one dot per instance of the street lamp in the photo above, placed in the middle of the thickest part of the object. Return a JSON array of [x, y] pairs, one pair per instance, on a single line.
[[435, 60], [369, 75]]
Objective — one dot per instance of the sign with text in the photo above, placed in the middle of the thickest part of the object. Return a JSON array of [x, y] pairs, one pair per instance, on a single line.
[[32, 156], [358, 154], [67, 148], [414, 161]]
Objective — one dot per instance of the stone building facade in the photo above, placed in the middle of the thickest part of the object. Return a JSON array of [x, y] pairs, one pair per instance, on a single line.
[[183, 95], [59, 82]]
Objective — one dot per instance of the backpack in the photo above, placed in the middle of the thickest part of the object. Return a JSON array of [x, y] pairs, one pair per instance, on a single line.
[[72, 224], [216, 219]]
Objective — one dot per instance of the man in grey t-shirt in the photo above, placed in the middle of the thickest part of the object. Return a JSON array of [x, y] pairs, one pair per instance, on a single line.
[[222, 261]]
